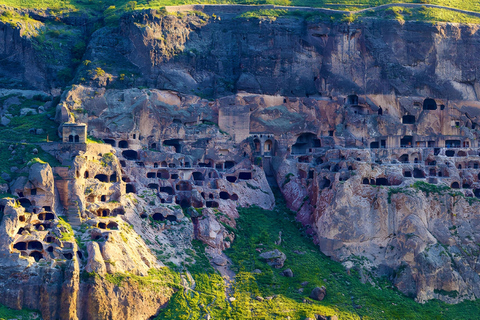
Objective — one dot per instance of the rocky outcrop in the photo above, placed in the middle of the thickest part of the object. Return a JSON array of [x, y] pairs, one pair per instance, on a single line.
[[289, 56]]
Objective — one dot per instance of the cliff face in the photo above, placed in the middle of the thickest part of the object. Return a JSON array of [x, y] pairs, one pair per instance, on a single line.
[[339, 116], [291, 56]]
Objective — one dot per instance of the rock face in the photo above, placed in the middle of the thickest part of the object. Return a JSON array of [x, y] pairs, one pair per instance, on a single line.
[[370, 130], [301, 58]]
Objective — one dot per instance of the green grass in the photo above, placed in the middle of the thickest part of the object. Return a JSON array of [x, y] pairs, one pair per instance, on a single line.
[[258, 228], [419, 14], [17, 134], [97, 5], [9, 314]]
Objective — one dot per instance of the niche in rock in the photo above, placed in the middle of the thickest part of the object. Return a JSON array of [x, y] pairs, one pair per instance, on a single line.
[[20, 246], [212, 204], [110, 142], [305, 142], [198, 176], [36, 255], [163, 174], [231, 179], [123, 144], [224, 195], [151, 175], [102, 177], [429, 104], [245, 175], [153, 186], [24, 202], [408, 119], [382, 182], [455, 185], [130, 154], [168, 190], [176, 143], [158, 216], [450, 153], [130, 188], [229, 164], [112, 225], [35, 245], [184, 186], [417, 173]]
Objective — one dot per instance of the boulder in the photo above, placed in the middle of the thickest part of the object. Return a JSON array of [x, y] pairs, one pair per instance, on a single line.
[[287, 273], [318, 293], [274, 258], [219, 261]]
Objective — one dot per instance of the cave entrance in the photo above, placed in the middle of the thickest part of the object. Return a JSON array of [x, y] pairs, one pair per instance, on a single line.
[[417, 173], [382, 182], [231, 179], [406, 142], [305, 142], [245, 175], [123, 144], [130, 188], [35, 245], [163, 174], [168, 190], [176, 143], [224, 195], [130, 154], [153, 186], [212, 204], [429, 104], [352, 99], [158, 216], [184, 186], [20, 246], [403, 158], [36, 255], [408, 119], [452, 143], [102, 177], [110, 142]]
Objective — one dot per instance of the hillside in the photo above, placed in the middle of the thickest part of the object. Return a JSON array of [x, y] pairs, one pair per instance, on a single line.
[[171, 160]]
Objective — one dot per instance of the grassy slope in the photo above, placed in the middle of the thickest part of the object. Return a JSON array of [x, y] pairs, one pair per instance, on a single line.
[[10, 314], [17, 134], [346, 296]]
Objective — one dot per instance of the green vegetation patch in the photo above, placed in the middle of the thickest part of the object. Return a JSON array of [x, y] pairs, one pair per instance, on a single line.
[[347, 297], [10, 314], [403, 14]]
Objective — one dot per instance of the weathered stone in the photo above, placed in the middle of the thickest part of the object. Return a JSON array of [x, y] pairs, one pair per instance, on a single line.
[[318, 293], [287, 273], [274, 258]]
